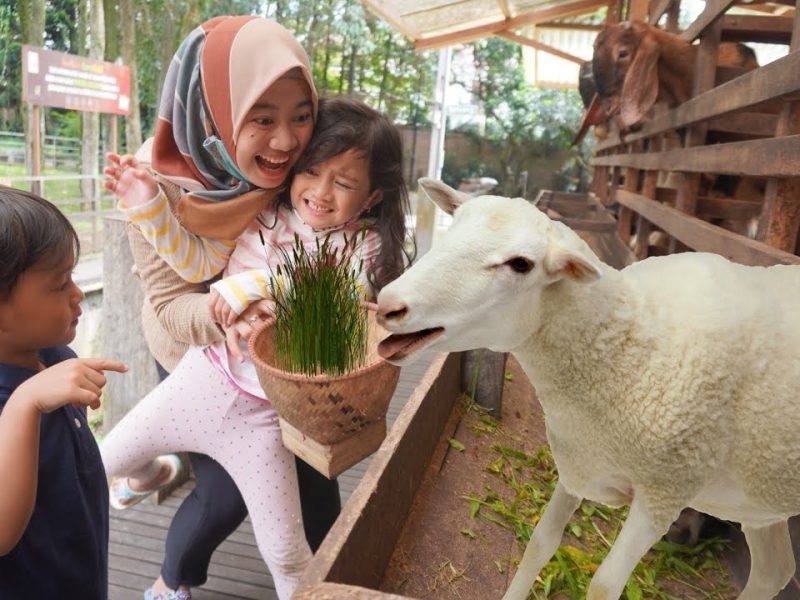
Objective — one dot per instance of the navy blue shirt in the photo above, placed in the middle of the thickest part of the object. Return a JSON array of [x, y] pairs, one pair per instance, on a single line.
[[64, 551]]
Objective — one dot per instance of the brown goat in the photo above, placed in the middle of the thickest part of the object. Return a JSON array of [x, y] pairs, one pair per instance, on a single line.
[[636, 65]]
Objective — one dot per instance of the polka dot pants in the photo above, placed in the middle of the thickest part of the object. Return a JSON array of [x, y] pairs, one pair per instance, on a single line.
[[196, 409]]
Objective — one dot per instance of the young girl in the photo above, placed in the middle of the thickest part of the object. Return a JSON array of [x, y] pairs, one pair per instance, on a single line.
[[53, 501], [349, 178]]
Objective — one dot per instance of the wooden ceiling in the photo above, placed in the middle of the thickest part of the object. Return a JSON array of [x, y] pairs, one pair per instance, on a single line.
[[436, 23]]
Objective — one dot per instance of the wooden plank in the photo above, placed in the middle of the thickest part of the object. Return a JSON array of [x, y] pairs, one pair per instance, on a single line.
[[727, 208], [657, 10], [757, 28], [540, 16], [780, 219], [771, 81], [358, 547], [745, 123], [703, 236], [713, 10], [503, 4], [779, 157], [587, 224], [705, 68], [526, 41], [637, 10], [339, 591]]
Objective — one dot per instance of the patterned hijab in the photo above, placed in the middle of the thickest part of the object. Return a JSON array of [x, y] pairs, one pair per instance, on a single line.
[[218, 73]]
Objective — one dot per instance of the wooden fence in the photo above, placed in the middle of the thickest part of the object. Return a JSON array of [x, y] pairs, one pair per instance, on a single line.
[[756, 116]]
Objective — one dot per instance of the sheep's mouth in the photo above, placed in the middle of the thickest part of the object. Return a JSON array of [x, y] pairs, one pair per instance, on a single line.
[[400, 346]]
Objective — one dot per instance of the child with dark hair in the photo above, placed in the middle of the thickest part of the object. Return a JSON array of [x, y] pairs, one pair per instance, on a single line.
[[53, 501]]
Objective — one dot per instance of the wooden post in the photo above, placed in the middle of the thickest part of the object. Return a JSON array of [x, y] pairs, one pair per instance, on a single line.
[[35, 115], [121, 328], [482, 377], [600, 184], [643, 226], [780, 217], [631, 185], [614, 13], [113, 133], [637, 10], [704, 74], [673, 14]]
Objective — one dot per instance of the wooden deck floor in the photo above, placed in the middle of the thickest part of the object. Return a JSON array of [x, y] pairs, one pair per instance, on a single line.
[[237, 570]]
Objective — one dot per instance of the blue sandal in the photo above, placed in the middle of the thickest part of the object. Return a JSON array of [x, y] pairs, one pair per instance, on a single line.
[[121, 496], [170, 595]]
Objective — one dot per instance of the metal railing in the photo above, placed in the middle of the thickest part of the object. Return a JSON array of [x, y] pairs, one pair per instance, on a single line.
[[85, 214]]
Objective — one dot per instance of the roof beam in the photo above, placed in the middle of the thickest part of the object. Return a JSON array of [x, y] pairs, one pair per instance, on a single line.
[[473, 33], [503, 4], [526, 41]]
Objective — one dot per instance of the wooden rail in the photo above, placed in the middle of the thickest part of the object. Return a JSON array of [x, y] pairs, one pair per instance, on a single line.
[[704, 237], [773, 157]]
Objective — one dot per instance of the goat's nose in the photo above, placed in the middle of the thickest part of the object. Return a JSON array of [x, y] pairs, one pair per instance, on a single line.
[[391, 311]]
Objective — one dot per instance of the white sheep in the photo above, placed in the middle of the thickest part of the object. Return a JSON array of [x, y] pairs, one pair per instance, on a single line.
[[671, 383]]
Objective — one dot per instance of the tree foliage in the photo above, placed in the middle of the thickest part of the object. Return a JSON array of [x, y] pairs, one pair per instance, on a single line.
[[351, 52]]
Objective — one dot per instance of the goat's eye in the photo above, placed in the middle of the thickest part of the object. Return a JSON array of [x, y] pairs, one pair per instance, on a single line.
[[519, 264], [623, 54]]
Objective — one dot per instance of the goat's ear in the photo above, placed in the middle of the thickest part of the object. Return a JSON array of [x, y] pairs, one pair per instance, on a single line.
[[442, 194], [563, 263], [640, 88]]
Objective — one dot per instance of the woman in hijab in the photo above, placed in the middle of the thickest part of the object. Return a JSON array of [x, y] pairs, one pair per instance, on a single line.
[[218, 159]]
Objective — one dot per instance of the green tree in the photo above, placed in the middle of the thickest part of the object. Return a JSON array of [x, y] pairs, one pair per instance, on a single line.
[[520, 119]]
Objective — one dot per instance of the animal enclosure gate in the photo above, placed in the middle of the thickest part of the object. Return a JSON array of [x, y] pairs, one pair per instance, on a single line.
[[739, 124]]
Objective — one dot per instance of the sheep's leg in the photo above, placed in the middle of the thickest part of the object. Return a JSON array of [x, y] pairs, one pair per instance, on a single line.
[[771, 561], [636, 537], [544, 542]]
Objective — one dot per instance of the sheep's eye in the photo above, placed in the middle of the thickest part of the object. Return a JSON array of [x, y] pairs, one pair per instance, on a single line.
[[520, 265]]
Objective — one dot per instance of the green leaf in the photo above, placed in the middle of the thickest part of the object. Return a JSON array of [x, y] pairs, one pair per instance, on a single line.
[[468, 533], [633, 591], [499, 566], [508, 376], [474, 507], [576, 530], [454, 443]]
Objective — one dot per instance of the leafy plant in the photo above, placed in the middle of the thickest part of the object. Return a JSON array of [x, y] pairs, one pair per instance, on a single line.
[[320, 316]]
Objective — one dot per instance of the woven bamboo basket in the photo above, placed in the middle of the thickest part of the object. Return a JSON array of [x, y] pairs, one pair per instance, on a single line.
[[329, 421]]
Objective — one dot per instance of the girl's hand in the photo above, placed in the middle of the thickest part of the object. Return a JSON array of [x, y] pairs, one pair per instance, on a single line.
[[75, 381], [132, 184], [220, 310], [243, 327]]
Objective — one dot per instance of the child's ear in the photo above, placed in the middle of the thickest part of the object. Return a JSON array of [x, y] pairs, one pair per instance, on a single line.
[[374, 198]]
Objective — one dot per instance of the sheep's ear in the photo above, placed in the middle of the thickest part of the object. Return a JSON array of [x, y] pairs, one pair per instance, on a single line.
[[442, 194], [565, 263], [640, 88]]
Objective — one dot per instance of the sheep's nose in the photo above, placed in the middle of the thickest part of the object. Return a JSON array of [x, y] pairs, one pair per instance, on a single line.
[[391, 311]]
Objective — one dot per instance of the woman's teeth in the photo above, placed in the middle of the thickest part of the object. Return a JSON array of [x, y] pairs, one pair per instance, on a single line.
[[271, 163]]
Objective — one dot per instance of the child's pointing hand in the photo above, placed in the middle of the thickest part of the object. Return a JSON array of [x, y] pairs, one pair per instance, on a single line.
[[74, 381]]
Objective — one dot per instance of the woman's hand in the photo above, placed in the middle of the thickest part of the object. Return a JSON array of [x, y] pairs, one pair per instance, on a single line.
[[243, 327], [131, 183]]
